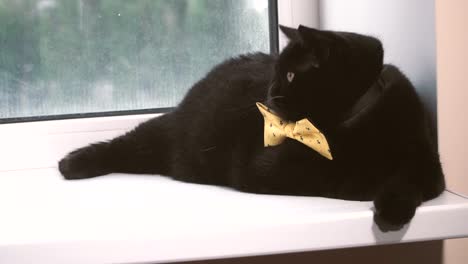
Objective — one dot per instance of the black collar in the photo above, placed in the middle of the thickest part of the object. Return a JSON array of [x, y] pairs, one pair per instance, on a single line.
[[369, 100]]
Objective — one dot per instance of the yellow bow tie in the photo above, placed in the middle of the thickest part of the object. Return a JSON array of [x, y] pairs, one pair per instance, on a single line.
[[277, 130]]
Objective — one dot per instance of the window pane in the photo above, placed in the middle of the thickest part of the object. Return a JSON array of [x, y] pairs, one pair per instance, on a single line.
[[81, 56]]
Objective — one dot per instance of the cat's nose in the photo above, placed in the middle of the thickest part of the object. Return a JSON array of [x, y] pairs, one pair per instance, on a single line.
[[274, 90]]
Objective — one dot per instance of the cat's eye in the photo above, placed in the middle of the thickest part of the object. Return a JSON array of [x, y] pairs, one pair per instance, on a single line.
[[290, 76]]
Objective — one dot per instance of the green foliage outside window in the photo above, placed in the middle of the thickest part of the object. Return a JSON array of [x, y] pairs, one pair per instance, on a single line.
[[76, 56]]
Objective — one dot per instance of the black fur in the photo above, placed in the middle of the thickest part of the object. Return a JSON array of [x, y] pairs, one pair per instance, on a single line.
[[369, 112]]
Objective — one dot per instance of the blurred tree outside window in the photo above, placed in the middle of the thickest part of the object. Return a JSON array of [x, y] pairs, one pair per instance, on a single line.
[[83, 56]]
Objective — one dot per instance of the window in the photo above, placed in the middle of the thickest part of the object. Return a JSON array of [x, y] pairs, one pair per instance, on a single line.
[[62, 57]]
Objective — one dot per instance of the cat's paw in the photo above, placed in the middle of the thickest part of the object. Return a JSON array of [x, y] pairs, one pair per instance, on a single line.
[[393, 211], [80, 164]]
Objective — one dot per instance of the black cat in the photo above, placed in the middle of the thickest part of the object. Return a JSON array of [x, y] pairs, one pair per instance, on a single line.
[[369, 112]]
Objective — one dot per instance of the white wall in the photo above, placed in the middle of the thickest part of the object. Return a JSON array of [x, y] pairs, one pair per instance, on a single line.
[[293, 13], [452, 57], [406, 27]]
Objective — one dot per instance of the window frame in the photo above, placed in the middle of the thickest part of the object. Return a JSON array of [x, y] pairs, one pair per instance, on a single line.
[[39, 142], [274, 49]]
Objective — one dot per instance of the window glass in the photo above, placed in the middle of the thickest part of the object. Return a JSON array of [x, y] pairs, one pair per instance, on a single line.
[[82, 56]]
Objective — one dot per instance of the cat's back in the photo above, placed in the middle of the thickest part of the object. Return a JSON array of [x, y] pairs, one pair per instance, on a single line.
[[246, 67], [232, 82]]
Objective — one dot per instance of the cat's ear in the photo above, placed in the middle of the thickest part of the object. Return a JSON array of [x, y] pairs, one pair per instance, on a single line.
[[309, 34], [318, 45], [290, 33]]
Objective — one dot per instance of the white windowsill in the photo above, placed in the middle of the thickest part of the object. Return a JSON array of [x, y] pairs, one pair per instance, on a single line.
[[136, 218], [42, 144]]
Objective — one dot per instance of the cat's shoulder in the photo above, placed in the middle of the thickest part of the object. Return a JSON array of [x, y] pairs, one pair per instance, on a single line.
[[250, 59], [246, 66], [255, 57]]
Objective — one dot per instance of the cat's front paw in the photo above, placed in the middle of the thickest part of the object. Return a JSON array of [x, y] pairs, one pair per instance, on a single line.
[[81, 164], [393, 211]]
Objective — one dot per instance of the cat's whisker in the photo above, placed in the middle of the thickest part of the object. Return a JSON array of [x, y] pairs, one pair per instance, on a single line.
[[276, 97], [208, 149], [246, 109]]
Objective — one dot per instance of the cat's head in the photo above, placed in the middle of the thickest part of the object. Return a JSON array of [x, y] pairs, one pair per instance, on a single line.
[[320, 74]]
